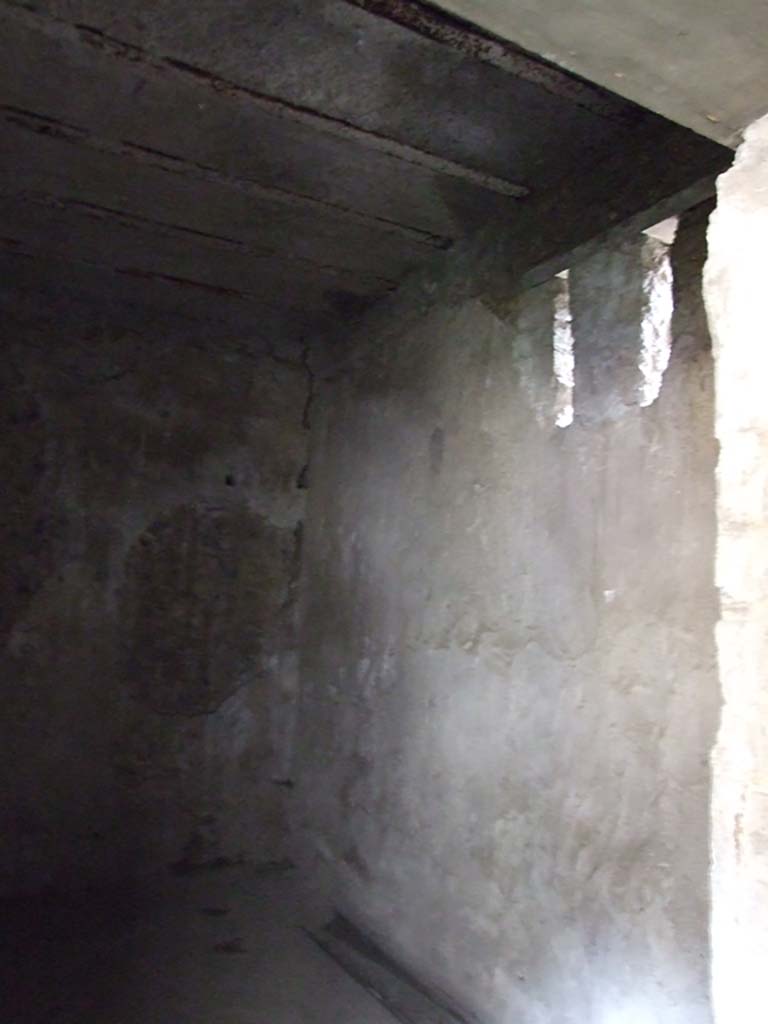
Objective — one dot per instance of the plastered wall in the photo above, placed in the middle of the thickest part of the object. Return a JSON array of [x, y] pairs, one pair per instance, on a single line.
[[508, 684], [149, 544]]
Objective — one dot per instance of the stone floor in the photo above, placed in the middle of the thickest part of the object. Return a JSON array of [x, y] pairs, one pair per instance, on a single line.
[[221, 946]]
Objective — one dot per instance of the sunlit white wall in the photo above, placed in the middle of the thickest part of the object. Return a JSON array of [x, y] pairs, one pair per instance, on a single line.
[[736, 284]]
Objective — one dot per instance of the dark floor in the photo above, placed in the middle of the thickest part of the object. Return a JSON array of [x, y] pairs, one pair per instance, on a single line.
[[216, 947]]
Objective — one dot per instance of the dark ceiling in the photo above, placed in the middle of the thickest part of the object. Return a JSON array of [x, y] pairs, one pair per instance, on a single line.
[[274, 164]]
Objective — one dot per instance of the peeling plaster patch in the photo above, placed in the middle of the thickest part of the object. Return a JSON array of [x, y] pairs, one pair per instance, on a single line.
[[203, 605], [562, 356], [230, 728], [658, 309]]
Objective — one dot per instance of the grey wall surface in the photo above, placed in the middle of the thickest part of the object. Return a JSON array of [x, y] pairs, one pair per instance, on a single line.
[[700, 64], [508, 684], [149, 544]]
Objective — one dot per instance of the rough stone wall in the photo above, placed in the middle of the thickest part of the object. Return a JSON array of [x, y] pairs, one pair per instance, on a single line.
[[735, 296], [508, 683], [149, 541]]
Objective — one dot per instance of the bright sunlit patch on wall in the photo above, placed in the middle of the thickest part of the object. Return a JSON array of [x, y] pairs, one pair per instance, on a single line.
[[617, 1008], [630, 1015], [562, 352], [658, 309]]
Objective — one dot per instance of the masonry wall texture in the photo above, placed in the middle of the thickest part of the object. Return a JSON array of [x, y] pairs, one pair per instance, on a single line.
[[509, 691], [149, 547]]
